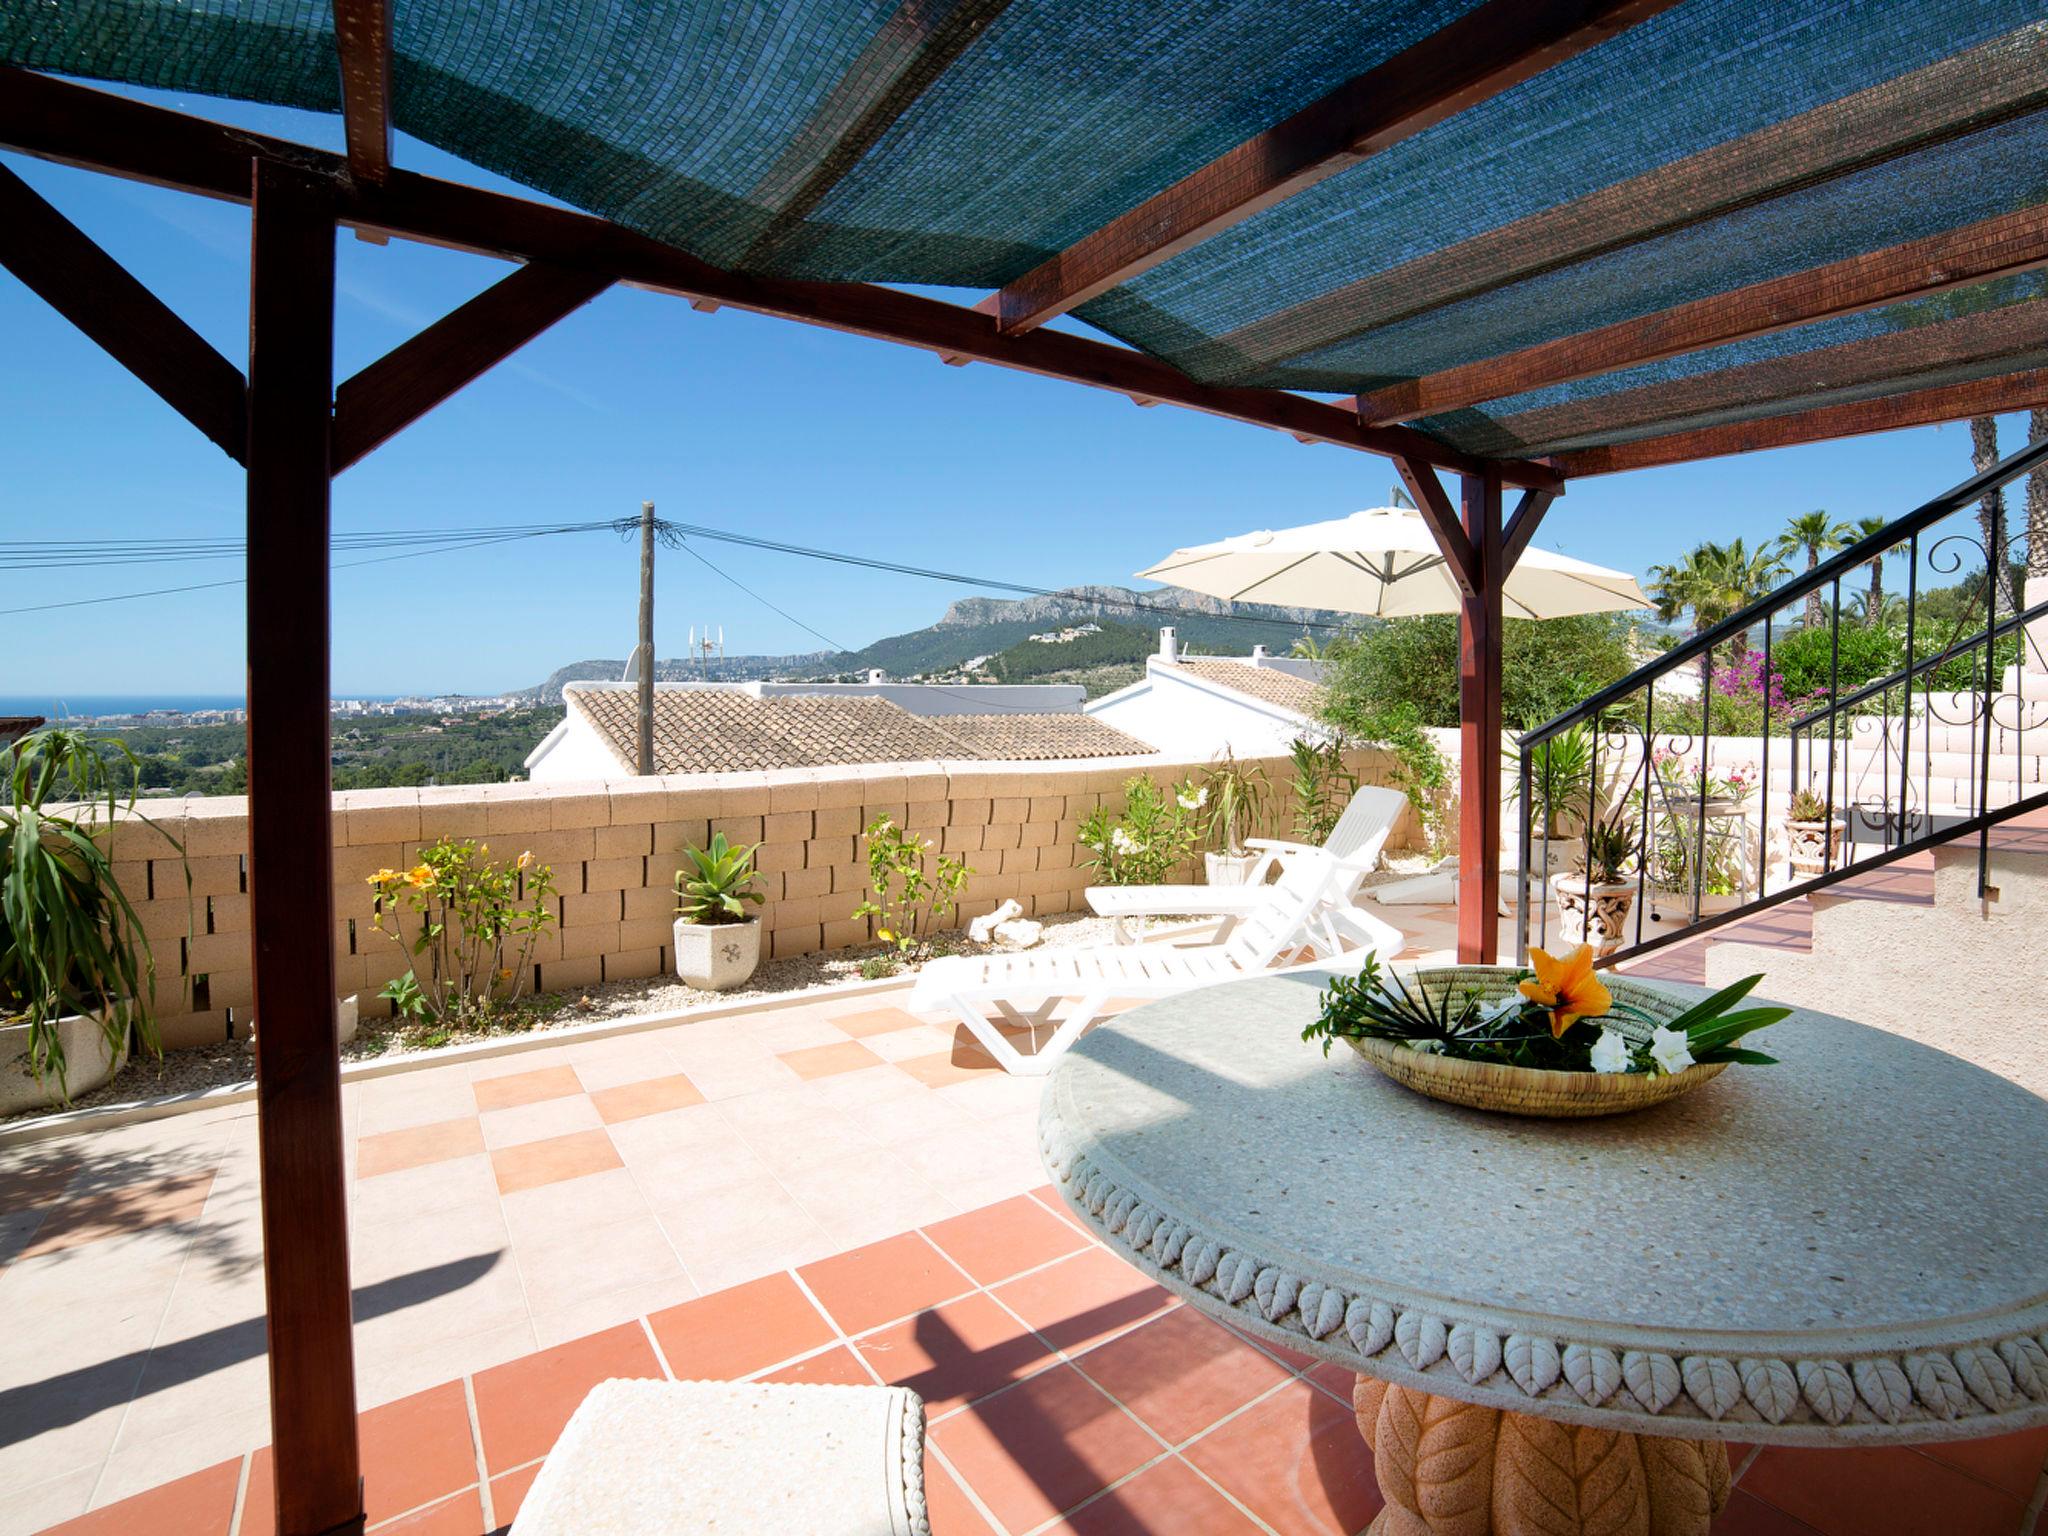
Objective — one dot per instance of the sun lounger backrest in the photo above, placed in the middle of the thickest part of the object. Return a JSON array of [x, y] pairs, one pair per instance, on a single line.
[[1280, 923], [1367, 822]]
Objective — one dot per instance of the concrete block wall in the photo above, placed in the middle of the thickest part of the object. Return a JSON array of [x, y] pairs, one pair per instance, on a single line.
[[615, 848]]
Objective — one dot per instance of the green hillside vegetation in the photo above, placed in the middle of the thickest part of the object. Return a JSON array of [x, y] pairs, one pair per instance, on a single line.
[[1032, 660], [373, 752]]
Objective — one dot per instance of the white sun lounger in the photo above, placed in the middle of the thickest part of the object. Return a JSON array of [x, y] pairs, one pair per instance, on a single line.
[[1024, 989], [1356, 840]]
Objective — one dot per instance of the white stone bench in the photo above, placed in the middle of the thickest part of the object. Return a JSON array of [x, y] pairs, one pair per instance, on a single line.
[[664, 1458]]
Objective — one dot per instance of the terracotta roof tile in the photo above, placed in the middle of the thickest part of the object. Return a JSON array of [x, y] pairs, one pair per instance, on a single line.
[[728, 730], [1269, 685]]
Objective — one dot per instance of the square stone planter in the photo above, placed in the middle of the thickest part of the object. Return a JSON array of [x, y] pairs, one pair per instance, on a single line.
[[1229, 868], [716, 956]]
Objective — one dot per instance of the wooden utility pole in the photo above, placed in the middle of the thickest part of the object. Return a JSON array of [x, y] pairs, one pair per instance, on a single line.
[[646, 638]]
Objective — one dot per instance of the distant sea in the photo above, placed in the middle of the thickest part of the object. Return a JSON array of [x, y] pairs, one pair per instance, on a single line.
[[58, 706]]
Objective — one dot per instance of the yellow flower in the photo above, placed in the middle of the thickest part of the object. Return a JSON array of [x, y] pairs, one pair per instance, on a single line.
[[1567, 987], [383, 877], [526, 859], [420, 876]]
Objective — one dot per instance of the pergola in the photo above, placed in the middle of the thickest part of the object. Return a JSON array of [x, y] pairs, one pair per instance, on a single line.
[[1522, 240]]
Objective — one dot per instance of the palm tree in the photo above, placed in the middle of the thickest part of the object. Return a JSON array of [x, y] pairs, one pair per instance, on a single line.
[[1818, 535], [1873, 608], [1990, 511], [1713, 582]]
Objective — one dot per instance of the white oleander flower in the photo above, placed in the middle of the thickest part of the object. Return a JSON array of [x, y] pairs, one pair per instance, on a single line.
[[1195, 801], [1123, 842], [1670, 1049], [1610, 1052]]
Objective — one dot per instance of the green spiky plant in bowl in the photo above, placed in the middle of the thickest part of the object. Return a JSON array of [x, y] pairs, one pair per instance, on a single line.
[[718, 942], [77, 975], [1595, 897]]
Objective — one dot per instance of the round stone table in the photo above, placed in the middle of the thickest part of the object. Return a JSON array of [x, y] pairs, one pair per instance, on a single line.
[[1556, 1323]]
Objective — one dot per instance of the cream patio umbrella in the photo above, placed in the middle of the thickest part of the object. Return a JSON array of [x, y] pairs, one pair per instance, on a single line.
[[1383, 562]]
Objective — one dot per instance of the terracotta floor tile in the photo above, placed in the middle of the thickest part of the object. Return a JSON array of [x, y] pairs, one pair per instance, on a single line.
[[1295, 1360], [1181, 1373], [462, 1515], [735, 1332], [963, 1064], [874, 1021], [199, 1505], [1081, 1301], [952, 1512], [1042, 1447], [395, 1151], [1296, 1461], [1169, 1499], [1338, 1382], [518, 1088], [1747, 1515], [1004, 1239], [534, 1163], [2011, 1463], [522, 1405], [631, 1101], [837, 1366], [115, 1212], [867, 1287], [955, 1353], [414, 1451], [815, 1061], [1879, 1491], [509, 1492]]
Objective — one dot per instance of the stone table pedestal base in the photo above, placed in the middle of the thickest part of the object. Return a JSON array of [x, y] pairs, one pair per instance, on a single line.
[[1448, 1468]]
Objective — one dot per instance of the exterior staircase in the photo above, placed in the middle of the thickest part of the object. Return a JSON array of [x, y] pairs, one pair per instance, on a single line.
[[1929, 786]]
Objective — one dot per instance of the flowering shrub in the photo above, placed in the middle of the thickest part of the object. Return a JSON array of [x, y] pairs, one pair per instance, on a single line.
[[469, 925], [1153, 837], [907, 902]]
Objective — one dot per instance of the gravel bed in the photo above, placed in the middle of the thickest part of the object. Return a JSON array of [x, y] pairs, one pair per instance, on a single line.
[[232, 1063]]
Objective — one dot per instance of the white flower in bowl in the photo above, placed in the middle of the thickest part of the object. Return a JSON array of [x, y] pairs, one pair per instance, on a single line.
[[1610, 1052], [1670, 1049]]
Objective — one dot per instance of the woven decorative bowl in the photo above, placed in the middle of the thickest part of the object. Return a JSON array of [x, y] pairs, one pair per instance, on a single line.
[[1525, 1090]]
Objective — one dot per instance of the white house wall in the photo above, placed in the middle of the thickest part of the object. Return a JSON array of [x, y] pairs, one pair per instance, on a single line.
[[573, 751], [1184, 719]]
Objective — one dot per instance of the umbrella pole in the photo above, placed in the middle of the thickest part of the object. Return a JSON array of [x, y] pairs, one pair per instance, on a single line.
[[1479, 722]]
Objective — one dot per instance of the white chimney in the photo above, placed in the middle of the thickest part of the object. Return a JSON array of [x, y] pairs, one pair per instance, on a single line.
[[1258, 654], [1166, 642], [877, 675]]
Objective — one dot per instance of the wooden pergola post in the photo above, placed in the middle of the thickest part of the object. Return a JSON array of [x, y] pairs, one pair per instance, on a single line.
[[291, 859], [1479, 723]]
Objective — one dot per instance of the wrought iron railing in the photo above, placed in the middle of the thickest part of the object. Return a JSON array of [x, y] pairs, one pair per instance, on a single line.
[[1918, 730]]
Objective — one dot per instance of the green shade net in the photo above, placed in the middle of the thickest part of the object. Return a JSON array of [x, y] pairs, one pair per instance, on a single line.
[[961, 142]]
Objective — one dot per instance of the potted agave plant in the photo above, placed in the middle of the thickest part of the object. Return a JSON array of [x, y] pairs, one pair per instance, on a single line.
[[1595, 898], [718, 945], [76, 969], [1234, 798], [1813, 839]]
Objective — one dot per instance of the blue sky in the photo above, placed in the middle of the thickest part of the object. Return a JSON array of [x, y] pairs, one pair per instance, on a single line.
[[757, 424]]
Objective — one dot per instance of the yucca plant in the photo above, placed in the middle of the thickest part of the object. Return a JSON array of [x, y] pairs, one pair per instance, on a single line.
[[719, 885], [70, 940], [1237, 801]]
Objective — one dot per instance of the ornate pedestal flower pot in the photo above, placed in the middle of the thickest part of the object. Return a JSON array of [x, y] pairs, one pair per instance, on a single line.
[[1229, 868], [89, 1063], [1595, 914], [1814, 847], [716, 956]]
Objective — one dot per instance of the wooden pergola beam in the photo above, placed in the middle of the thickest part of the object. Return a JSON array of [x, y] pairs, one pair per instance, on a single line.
[[389, 395], [58, 261], [1997, 247], [1498, 45], [1522, 528], [362, 38], [1888, 413], [1434, 507], [77, 125]]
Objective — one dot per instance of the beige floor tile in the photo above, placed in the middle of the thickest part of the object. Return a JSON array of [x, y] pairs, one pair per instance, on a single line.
[[583, 1263], [412, 1099], [726, 1070], [69, 1432], [430, 1187], [138, 1467], [612, 1308], [996, 1093], [405, 1243], [38, 1506], [850, 1090], [902, 1044], [698, 1130], [391, 1364], [788, 1152], [536, 1122], [542, 1215], [202, 1393], [911, 1116], [862, 1199], [794, 1029], [732, 1234], [514, 1063], [621, 1059], [972, 1153]]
